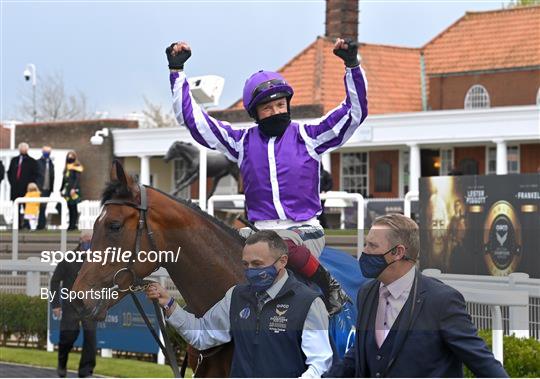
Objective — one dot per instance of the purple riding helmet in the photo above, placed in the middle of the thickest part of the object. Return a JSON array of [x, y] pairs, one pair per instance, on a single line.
[[265, 86]]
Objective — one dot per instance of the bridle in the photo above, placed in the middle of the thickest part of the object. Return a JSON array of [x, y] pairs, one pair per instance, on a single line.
[[139, 284]]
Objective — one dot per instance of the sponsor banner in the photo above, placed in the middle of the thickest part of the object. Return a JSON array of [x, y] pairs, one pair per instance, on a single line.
[[123, 328], [481, 225]]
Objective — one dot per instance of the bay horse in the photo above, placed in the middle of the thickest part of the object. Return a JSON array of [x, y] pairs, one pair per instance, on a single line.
[[209, 261]]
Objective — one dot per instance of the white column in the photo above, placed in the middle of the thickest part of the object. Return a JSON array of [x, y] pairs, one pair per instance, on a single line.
[[502, 160], [414, 166], [327, 162], [144, 176]]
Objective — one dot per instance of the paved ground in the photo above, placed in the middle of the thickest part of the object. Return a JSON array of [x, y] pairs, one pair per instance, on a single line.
[[13, 370]]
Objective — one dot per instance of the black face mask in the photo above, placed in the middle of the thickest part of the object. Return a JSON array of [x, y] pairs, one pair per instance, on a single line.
[[275, 125], [70, 160]]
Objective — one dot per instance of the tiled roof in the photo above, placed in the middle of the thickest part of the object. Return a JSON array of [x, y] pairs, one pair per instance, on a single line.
[[393, 75], [500, 39], [490, 40]]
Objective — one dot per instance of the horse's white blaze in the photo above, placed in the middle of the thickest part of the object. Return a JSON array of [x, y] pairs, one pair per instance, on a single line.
[[102, 215]]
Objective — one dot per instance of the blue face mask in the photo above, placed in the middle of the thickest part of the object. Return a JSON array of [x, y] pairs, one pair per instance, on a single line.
[[46, 154], [260, 279], [372, 265], [85, 245]]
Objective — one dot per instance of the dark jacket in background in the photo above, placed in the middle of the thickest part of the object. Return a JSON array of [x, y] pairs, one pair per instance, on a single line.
[[2, 171], [71, 180], [29, 174], [42, 164], [435, 341], [64, 277]]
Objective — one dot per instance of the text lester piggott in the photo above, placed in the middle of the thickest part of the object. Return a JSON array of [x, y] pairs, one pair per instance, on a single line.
[[111, 254]]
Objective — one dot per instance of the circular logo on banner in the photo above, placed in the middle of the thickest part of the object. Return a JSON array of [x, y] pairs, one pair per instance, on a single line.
[[502, 239]]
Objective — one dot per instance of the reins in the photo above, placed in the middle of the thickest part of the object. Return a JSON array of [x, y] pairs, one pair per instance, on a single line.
[[138, 284]]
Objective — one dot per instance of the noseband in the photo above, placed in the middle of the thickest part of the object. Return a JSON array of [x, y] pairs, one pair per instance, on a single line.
[[137, 283]]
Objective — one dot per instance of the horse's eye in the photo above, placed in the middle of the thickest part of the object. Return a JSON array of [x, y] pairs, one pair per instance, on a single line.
[[115, 226]]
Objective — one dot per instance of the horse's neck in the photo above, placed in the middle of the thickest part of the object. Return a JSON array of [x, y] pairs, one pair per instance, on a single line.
[[209, 262]]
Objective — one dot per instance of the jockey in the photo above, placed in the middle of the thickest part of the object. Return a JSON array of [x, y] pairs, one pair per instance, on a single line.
[[279, 159]]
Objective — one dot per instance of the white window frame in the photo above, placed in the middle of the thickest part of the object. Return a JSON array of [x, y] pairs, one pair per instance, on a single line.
[[538, 97], [342, 175], [477, 97], [404, 171], [446, 156], [494, 155]]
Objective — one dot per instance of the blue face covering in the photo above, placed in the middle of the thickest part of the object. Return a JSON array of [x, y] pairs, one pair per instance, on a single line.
[[372, 265], [85, 245], [46, 154], [262, 278]]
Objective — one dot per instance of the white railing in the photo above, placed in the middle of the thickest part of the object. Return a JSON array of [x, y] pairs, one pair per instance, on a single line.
[[40, 200], [355, 197], [34, 268], [514, 292], [409, 198], [89, 211]]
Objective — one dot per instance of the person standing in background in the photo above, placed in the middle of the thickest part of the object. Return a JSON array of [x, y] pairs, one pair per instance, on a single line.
[[64, 276], [31, 210], [45, 182], [70, 189], [22, 170]]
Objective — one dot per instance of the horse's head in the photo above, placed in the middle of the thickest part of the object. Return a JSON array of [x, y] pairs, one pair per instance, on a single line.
[[181, 149], [116, 233]]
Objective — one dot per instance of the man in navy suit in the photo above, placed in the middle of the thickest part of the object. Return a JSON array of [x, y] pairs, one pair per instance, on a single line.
[[409, 325]]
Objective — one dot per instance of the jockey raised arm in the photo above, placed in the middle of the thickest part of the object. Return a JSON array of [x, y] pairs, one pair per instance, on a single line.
[[279, 159]]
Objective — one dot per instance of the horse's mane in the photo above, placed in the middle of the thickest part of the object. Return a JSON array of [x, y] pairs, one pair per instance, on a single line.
[[117, 190]]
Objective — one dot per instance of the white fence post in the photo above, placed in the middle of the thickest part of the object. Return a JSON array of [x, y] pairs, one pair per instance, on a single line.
[[32, 283], [518, 316], [497, 333], [409, 197]]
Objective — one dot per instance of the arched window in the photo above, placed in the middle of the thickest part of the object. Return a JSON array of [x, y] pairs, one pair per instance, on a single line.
[[477, 97], [383, 177]]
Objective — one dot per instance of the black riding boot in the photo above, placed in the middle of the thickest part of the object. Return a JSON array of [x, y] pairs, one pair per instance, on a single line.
[[333, 295]]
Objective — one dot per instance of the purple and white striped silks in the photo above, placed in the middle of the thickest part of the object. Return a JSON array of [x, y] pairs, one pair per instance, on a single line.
[[280, 175]]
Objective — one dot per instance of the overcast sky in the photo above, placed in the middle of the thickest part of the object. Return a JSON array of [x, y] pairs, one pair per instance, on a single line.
[[113, 51]]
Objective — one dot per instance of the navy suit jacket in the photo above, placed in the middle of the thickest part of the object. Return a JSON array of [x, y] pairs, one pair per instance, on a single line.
[[435, 340]]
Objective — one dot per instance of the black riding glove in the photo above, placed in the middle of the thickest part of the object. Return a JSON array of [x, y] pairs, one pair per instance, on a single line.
[[176, 62], [349, 55]]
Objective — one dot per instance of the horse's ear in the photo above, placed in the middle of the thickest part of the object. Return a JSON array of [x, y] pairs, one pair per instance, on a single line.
[[118, 174]]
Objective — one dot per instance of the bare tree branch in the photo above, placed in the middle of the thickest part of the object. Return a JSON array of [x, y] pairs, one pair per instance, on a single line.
[[52, 102], [156, 117]]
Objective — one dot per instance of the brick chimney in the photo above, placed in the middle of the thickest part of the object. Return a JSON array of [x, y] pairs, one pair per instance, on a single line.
[[342, 19]]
